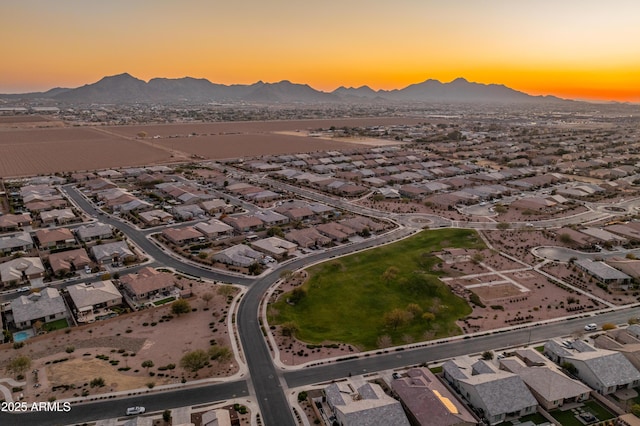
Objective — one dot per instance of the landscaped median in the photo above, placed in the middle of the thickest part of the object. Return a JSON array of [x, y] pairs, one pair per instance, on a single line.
[[386, 296]]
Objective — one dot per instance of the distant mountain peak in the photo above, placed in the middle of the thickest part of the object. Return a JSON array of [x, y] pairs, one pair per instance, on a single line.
[[125, 88]]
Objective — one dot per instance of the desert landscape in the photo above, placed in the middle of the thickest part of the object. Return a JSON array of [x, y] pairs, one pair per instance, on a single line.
[[64, 363]]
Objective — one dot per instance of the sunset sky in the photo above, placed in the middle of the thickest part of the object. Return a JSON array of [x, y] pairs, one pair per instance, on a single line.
[[581, 49]]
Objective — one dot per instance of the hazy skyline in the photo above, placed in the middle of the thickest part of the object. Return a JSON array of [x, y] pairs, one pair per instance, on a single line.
[[580, 49]]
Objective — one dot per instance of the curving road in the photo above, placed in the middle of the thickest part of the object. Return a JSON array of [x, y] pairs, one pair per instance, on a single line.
[[265, 381]]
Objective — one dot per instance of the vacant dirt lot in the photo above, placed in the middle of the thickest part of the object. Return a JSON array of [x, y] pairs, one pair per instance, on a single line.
[[68, 360], [28, 152]]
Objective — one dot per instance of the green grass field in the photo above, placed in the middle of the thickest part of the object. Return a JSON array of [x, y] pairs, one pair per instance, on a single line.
[[351, 299]]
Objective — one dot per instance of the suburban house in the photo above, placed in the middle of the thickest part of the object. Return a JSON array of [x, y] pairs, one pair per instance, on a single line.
[[13, 222], [274, 246], [604, 273], [21, 270], [271, 218], [238, 255], [626, 341], [494, 394], [37, 206], [214, 229], [187, 211], [306, 238], [93, 232], [155, 217], [363, 404], [16, 242], [548, 385], [117, 251], [336, 231], [147, 282], [67, 261], [57, 216], [428, 402], [244, 223], [99, 184], [604, 370], [216, 205], [182, 235], [44, 306], [360, 223], [89, 298], [52, 238]]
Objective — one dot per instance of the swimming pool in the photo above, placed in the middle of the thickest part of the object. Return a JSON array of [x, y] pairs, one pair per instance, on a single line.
[[21, 336]]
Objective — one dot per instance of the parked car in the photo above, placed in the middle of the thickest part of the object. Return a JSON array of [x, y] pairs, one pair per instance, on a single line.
[[134, 411], [591, 327], [22, 289]]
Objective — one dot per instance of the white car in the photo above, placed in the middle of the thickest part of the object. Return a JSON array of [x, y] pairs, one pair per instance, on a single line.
[[591, 327], [134, 411]]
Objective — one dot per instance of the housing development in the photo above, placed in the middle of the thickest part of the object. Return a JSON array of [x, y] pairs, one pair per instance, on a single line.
[[358, 264]]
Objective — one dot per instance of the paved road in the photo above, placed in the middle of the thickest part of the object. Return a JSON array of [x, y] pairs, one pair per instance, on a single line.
[[116, 407], [397, 359], [265, 380]]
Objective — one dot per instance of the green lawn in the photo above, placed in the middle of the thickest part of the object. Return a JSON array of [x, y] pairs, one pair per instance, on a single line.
[[163, 301], [56, 325], [347, 298], [567, 418], [598, 410]]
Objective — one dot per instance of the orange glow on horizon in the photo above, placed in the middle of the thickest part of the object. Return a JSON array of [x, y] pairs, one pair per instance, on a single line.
[[581, 49]]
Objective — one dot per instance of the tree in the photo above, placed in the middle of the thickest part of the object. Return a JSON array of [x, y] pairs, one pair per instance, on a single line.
[[396, 318], [19, 364], [608, 326], [390, 274], [194, 360], [275, 231], [503, 226], [414, 309], [207, 298], [225, 290], [147, 364], [487, 355], [166, 416], [297, 295], [98, 382], [477, 257], [635, 410], [565, 239], [288, 328], [255, 268], [180, 306], [428, 316], [220, 353], [499, 208]]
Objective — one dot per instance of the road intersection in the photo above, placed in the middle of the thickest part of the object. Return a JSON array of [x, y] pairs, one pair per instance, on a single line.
[[267, 382]]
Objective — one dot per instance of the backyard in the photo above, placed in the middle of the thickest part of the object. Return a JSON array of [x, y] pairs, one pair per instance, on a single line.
[[386, 296], [570, 417]]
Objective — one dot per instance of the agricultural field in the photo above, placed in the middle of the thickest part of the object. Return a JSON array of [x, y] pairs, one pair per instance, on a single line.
[[33, 151], [28, 152], [386, 296]]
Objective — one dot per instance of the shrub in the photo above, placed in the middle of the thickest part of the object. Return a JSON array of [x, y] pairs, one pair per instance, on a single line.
[[97, 382]]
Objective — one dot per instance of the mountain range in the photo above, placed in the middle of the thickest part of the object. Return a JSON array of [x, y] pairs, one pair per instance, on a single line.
[[126, 89]]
